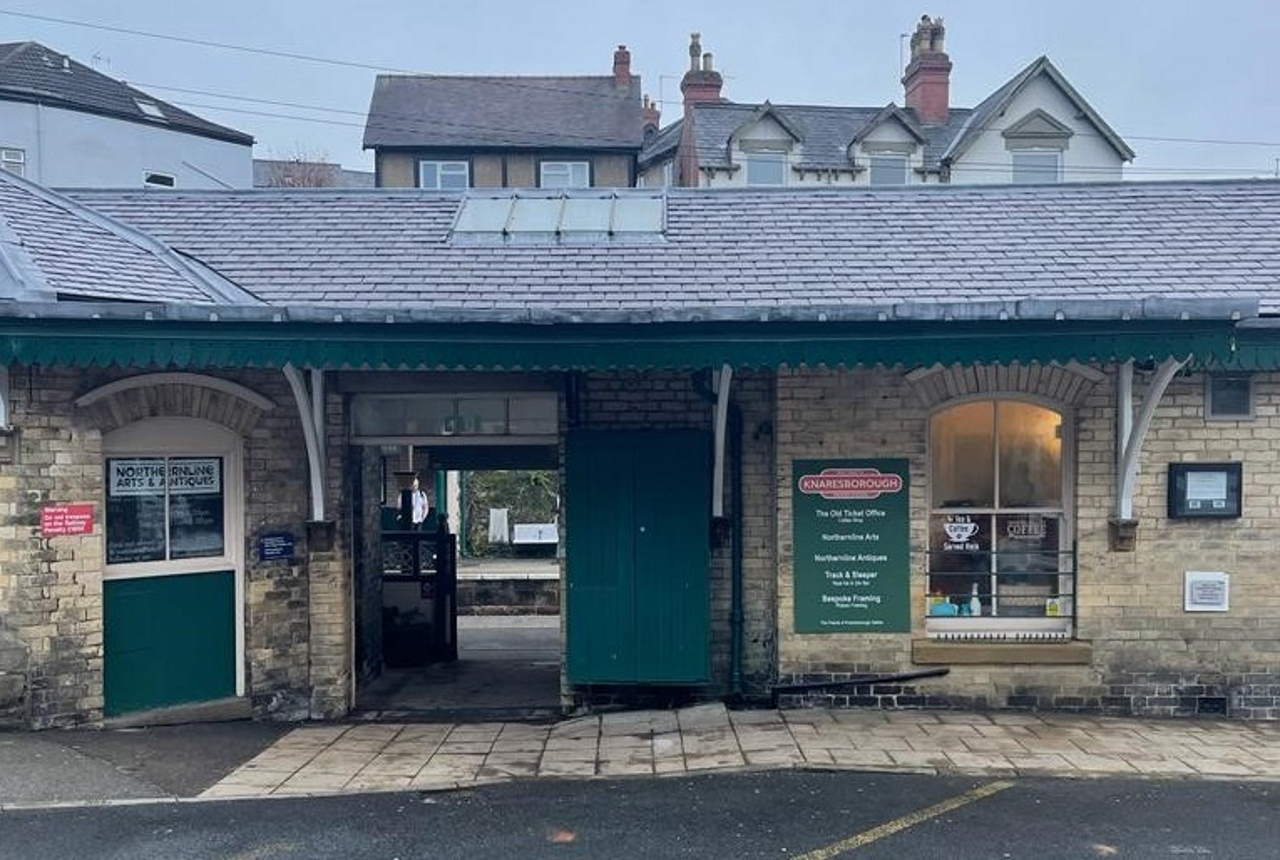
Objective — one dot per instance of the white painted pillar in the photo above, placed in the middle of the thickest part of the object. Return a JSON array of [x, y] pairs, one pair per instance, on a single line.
[[722, 383]]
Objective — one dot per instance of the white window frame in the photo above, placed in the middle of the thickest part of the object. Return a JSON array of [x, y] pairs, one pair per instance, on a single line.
[[1210, 414], [772, 157], [668, 174], [441, 167], [188, 437], [1038, 151], [886, 156], [989, 627], [569, 167], [147, 183], [14, 160]]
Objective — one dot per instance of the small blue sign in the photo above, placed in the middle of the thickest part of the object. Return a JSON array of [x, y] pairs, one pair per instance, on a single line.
[[275, 546]]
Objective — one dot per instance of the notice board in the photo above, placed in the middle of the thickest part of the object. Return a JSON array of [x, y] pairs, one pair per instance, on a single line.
[[852, 558]]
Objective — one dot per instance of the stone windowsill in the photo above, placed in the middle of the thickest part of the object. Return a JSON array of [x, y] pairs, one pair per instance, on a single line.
[[925, 652]]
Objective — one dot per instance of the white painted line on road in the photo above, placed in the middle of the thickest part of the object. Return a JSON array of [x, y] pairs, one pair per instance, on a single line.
[[897, 825]]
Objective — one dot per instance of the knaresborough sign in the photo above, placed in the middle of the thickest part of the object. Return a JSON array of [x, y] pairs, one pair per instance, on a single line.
[[851, 526]]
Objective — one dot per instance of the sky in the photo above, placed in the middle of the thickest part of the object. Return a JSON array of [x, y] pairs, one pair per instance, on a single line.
[[1174, 69]]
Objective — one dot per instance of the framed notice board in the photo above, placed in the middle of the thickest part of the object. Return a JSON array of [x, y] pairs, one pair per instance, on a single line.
[[852, 559], [1204, 490]]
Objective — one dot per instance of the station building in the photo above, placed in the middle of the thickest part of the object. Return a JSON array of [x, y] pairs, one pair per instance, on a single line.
[[814, 446]]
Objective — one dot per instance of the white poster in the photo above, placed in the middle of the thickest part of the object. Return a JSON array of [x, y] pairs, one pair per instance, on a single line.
[[136, 478], [1206, 486], [192, 475], [149, 477], [1207, 591]]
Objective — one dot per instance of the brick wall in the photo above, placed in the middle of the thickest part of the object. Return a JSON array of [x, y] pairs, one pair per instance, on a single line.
[[1148, 655]]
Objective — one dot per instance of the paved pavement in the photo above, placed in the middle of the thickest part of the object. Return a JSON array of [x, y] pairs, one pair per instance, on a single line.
[[389, 756], [809, 816]]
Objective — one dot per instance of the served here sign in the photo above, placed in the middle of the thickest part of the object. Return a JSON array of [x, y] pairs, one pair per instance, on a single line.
[[852, 559]]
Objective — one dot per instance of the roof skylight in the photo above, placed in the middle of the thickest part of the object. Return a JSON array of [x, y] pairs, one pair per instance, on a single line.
[[561, 216], [151, 109]]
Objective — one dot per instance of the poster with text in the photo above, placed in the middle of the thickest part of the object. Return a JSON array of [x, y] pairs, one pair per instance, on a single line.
[[851, 527]]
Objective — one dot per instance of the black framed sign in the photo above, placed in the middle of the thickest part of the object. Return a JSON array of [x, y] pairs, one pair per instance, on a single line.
[[1204, 490]]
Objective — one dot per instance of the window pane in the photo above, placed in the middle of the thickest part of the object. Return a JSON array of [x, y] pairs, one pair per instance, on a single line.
[[428, 174], [1229, 395], [888, 170], [483, 415], [565, 174], [454, 174], [135, 510], [533, 414], [959, 559], [1035, 167], [1030, 456], [1027, 544], [195, 507], [766, 169], [962, 456]]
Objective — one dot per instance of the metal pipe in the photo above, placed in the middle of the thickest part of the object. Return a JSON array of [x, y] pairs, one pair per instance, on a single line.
[[736, 620]]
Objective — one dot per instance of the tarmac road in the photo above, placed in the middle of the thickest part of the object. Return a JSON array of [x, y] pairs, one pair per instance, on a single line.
[[812, 816]]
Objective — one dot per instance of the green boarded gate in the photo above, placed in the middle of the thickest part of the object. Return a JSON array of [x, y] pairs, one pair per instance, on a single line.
[[168, 640], [638, 556]]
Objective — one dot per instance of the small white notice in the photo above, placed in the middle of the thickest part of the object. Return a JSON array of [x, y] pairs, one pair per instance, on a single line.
[[1206, 591], [1207, 486]]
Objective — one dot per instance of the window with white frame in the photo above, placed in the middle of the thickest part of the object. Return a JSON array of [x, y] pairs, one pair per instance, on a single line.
[[564, 174], [767, 168], [444, 175], [668, 174], [999, 520], [888, 169], [1228, 397], [1036, 166], [13, 160]]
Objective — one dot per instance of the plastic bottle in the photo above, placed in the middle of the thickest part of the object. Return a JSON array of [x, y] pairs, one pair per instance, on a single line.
[[975, 604]]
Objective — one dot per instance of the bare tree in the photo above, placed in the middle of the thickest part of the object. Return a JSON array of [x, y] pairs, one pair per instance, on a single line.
[[302, 170]]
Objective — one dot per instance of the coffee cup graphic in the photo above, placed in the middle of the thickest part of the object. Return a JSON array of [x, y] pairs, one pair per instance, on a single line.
[[960, 532]]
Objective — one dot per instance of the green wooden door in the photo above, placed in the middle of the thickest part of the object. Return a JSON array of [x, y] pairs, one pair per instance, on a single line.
[[638, 558], [168, 640]]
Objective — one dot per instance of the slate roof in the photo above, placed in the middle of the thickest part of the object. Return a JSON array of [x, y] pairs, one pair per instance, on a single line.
[[661, 144], [52, 246], [586, 112], [744, 252], [826, 131], [31, 72]]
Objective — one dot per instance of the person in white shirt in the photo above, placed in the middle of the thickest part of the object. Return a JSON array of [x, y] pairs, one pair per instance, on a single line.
[[421, 504]]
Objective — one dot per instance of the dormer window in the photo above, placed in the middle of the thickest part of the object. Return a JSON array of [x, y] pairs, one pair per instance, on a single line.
[[888, 169], [767, 168]]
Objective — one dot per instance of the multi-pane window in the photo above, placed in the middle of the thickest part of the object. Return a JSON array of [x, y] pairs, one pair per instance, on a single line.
[[998, 517], [164, 508], [444, 175], [565, 174], [1228, 396], [1036, 166], [767, 168], [13, 160], [888, 170]]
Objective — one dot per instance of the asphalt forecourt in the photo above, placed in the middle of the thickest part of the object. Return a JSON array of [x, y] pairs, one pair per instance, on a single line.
[[808, 815]]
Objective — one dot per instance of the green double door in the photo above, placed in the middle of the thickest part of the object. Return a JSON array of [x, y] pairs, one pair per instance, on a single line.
[[168, 640], [638, 556]]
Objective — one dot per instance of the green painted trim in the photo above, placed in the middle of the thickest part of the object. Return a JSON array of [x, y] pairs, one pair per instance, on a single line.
[[590, 346]]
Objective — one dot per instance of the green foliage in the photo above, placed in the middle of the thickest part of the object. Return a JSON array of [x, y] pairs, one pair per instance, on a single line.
[[531, 495]]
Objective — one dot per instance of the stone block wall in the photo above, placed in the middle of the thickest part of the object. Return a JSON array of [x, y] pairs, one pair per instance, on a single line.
[[51, 588], [1148, 656]]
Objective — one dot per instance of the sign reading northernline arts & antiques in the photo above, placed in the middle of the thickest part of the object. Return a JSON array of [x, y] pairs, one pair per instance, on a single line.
[[851, 527]]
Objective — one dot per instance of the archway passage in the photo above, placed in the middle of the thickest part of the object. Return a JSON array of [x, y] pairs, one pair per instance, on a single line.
[[499, 505]]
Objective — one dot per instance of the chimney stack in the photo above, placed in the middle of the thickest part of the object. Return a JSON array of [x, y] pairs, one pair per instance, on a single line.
[[927, 80], [622, 66], [701, 83], [649, 110]]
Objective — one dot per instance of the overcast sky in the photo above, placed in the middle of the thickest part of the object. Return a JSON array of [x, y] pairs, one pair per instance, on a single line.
[[1179, 68]]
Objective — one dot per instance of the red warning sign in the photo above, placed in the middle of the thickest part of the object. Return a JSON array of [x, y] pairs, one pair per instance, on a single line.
[[57, 520]]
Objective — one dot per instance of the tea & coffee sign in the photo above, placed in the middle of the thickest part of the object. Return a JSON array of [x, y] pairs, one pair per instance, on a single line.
[[852, 561]]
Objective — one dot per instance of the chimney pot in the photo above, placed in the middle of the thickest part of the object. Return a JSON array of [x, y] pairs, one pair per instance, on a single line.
[[927, 80], [706, 62], [651, 114], [702, 82], [622, 66]]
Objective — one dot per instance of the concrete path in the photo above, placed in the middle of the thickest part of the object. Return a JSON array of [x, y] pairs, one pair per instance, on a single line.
[[384, 757]]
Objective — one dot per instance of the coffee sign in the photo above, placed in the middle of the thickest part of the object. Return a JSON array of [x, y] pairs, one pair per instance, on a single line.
[[851, 530]]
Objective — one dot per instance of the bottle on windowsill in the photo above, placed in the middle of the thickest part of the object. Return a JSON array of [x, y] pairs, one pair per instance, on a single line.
[[975, 604]]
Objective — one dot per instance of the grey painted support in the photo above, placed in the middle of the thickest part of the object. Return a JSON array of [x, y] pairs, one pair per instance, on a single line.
[[310, 408], [722, 384], [1133, 439], [6, 401]]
